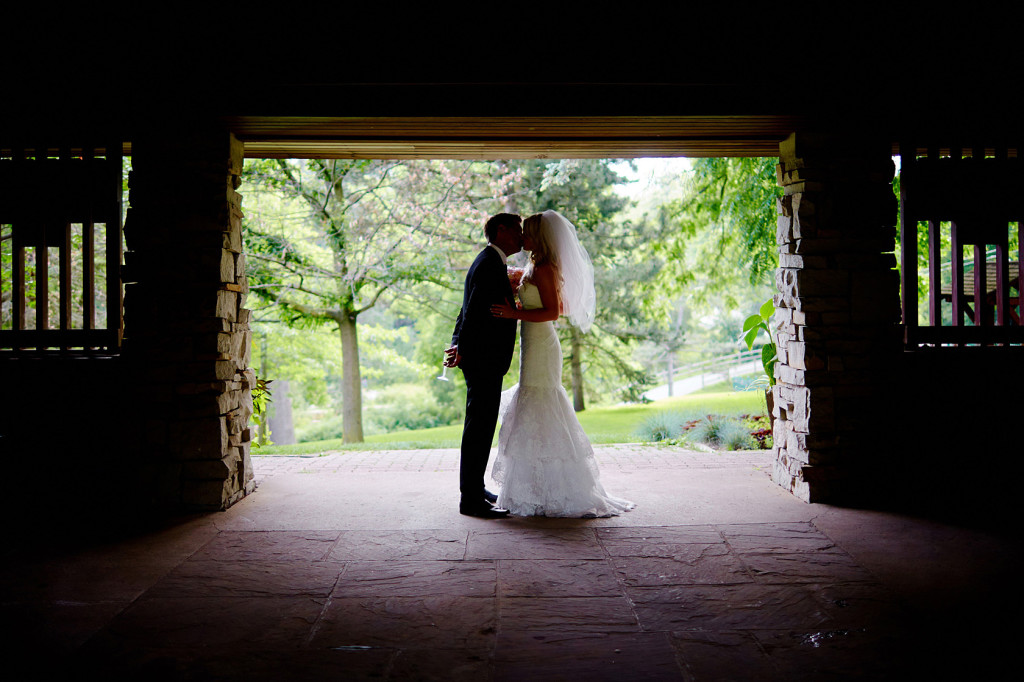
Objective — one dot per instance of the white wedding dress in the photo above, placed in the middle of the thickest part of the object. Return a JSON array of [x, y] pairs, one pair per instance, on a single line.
[[545, 463]]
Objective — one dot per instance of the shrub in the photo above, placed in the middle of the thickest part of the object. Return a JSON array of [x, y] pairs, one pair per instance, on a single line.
[[324, 429], [661, 426], [409, 407], [735, 436], [727, 433]]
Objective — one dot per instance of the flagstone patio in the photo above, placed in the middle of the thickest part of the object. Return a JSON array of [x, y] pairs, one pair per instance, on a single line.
[[357, 566]]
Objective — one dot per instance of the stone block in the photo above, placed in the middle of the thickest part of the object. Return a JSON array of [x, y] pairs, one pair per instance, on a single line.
[[205, 438], [227, 305], [226, 370], [206, 494], [781, 430], [214, 469], [800, 377], [240, 261], [783, 230], [232, 241], [245, 461], [791, 260], [246, 348], [805, 217], [784, 206], [795, 354], [238, 419], [245, 404], [227, 266]]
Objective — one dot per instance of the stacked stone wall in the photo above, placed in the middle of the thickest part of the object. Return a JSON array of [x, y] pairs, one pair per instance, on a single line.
[[837, 313], [187, 331]]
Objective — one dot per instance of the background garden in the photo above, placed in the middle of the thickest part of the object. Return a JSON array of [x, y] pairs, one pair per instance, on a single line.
[[356, 271]]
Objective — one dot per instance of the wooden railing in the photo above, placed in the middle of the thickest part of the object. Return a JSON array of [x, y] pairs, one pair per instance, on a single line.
[[60, 249], [721, 363], [977, 191]]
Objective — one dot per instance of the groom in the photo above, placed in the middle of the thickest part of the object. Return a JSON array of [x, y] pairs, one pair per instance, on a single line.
[[482, 347]]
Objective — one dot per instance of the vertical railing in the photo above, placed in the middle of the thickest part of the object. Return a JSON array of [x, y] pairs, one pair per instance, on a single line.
[[49, 193], [977, 193]]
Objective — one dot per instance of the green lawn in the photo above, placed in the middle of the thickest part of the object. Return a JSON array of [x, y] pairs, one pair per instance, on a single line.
[[616, 424]]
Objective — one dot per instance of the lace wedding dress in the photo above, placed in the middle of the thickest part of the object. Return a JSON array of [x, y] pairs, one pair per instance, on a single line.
[[545, 463]]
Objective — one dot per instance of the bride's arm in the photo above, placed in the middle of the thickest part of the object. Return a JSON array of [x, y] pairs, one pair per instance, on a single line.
[[544, 280]]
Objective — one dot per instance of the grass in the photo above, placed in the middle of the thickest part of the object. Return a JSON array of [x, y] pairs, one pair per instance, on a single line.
[[603, 425]]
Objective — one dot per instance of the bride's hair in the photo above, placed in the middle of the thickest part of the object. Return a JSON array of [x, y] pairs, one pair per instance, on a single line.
[[555, 244], [543, 247]]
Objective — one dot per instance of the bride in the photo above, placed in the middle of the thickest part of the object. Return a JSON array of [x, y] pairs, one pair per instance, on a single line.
[[545, 463]]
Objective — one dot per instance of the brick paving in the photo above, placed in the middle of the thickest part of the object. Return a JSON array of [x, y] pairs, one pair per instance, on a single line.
[[717, 575], [623, 457]]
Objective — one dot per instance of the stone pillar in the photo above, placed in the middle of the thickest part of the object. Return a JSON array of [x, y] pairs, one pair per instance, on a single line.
[[186, 330], [838, 314]]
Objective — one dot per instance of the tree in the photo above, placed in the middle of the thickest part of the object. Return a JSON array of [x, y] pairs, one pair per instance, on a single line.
[[729, 210], [348, 233]]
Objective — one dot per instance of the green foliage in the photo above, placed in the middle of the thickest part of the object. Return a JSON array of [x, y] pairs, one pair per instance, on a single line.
[[728, 213], [409, 407], [329, 240], [752, 327], [330, 428], [614, 424], [686, 428], [260, 400], [727, 433]]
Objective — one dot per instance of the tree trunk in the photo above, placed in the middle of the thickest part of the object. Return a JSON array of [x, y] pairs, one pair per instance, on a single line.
[[351, 384], [577, 370], [671, 371]]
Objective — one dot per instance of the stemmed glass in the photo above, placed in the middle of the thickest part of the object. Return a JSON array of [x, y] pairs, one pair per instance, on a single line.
[[444, 371]]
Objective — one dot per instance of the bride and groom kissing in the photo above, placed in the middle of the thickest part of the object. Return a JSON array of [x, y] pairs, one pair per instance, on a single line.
[[545, 463]]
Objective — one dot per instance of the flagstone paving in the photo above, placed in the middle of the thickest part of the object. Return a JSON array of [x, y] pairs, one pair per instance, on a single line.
[[409, 590]]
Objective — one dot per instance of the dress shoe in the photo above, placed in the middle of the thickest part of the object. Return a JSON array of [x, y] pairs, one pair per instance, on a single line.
[[483, 510], [490, 497]]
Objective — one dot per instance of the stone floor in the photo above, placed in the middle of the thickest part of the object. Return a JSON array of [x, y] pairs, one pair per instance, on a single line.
[[355, 566]]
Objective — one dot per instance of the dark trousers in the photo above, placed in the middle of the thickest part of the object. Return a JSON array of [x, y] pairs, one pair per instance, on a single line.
[[483, 396]]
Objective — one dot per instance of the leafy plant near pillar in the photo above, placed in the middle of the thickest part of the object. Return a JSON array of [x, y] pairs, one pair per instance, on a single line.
[[260, 400], [752, 326]]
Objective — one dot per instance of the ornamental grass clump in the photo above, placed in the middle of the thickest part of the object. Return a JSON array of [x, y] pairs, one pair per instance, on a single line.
[[725, 433], [661, 426]]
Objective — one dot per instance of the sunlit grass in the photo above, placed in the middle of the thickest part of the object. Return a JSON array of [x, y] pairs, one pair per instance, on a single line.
[[603, 425]]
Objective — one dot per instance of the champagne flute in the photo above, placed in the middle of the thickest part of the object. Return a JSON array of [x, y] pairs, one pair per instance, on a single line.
[[444, 371]]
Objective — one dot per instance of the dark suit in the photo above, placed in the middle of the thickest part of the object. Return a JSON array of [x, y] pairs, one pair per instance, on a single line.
[[486, 344]]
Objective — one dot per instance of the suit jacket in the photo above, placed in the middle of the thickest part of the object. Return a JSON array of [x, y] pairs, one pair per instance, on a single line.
[[485, 341]]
